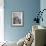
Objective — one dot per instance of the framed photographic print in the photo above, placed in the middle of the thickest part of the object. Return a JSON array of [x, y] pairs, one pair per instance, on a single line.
[[17, 18]]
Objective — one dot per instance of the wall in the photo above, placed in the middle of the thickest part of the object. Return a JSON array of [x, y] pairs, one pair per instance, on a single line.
[[30, 7], [43, 6]]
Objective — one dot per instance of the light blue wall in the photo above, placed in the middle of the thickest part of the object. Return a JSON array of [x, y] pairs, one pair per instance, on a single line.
[[43, 6], [29, 7]]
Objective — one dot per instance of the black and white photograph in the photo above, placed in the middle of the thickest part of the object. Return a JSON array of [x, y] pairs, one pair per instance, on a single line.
[[17, 18]]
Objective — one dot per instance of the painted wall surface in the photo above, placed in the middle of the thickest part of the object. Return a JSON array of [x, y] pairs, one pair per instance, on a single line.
[[43, 6], [29, 7]]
